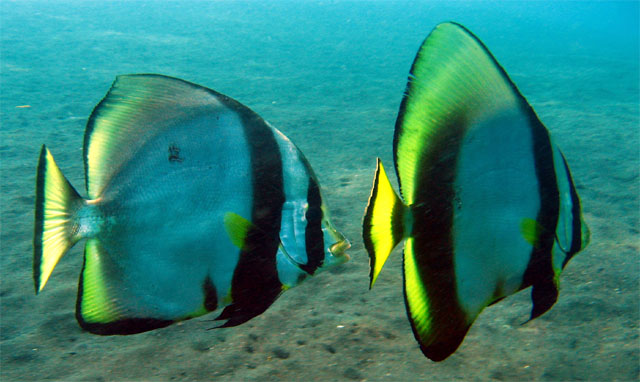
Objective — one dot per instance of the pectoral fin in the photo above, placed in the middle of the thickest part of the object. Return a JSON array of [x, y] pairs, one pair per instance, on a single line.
[[238, 228]]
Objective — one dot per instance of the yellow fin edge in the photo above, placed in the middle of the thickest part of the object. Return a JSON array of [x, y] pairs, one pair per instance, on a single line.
[[383, 223], [55, 229]]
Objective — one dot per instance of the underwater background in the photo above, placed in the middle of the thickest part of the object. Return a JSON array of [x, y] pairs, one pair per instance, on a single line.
[[330, 75]]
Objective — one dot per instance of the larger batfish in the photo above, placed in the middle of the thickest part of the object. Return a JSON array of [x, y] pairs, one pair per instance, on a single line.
[[194, 203], [488, 204]]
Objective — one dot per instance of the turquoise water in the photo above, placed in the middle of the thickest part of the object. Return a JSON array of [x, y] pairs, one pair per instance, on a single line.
[[330, 75]]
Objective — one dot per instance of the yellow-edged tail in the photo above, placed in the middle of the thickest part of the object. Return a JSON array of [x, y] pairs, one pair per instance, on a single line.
[[384, 222], [56, 231]]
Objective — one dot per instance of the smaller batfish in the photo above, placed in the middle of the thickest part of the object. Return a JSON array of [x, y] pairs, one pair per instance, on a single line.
[[194, 203], [488, 203]]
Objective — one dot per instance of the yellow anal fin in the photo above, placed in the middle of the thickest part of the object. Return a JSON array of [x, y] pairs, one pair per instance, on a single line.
[[104, 307], [97, 304], [437, 324], [383, 224]]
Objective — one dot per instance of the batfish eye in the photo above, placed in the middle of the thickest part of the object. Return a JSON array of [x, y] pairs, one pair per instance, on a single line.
[[314, 214]]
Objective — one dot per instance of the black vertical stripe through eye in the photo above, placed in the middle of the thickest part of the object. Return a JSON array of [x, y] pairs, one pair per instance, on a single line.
[[539, 272], [314, 238], [539, 269], [576, 226]]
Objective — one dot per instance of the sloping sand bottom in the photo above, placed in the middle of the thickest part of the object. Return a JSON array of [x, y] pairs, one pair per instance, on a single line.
[[340, 110]]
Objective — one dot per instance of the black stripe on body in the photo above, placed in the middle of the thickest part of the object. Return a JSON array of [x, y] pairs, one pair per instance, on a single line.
[[576, 230], [314, 238], [433, 240], [433, 214], [397, 224], [539, 272], [39, 216], [255, 284]]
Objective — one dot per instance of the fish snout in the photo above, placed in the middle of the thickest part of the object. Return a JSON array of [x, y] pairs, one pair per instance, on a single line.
[[338, 250]]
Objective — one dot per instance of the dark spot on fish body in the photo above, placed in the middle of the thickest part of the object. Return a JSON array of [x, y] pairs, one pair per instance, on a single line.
[[174, 154]]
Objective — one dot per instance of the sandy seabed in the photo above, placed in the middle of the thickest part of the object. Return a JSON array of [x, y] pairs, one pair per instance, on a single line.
[[334, 90]]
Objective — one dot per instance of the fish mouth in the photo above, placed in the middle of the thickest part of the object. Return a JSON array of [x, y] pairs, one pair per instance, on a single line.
[[338, 249]]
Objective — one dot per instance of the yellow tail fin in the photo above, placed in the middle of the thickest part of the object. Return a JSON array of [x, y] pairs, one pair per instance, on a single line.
[[383, 226], [57, 202]]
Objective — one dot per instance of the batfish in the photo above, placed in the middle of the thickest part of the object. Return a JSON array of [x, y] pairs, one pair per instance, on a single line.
[[194, 203], [488, 204]]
